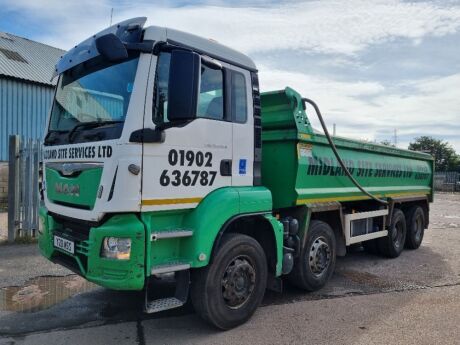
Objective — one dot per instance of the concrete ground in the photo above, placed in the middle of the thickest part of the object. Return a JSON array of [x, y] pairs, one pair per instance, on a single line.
[[414, 299]]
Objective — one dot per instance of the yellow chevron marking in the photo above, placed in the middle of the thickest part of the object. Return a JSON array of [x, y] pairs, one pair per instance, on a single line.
[[151, 202], [357, 197]]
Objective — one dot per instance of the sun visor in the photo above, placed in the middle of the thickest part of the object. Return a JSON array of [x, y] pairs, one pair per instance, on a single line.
[[129, 31]]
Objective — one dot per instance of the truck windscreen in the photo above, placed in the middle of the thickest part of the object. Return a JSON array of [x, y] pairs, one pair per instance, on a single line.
[[91, 102]]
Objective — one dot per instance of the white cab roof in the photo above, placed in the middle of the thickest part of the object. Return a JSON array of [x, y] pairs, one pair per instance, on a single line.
[[200, 44]]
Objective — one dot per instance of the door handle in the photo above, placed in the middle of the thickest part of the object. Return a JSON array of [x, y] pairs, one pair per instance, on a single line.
[[226, 167]]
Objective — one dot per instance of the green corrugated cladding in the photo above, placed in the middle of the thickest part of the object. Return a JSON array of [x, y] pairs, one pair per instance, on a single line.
[[24, 107], [299, 167]]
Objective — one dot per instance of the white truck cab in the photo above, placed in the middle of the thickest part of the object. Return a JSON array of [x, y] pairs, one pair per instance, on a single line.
[[120, 105], [152, 149]]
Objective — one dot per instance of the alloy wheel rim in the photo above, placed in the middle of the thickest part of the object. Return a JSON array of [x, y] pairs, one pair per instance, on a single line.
[[319, 257], [397, 234], [418, 228], [238, 282]]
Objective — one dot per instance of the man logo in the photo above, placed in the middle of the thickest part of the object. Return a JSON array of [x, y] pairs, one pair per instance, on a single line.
[[67, 189], [67, 169]]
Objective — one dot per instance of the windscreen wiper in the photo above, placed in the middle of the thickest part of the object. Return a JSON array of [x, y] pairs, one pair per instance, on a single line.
[[91, 124], [49, 139]]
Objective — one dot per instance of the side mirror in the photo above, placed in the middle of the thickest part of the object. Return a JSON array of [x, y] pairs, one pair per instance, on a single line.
[[183, 85], [111, 48]]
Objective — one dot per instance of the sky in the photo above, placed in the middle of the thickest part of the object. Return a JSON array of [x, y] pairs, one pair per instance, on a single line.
[[373, 67]]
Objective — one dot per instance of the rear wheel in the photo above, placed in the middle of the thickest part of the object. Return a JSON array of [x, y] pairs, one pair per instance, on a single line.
[[316, 262], [415, 220], [393, 244], [228, 291]]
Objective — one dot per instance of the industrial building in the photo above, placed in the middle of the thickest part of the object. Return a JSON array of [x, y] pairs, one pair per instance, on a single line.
[[26, 91], [26, 87]]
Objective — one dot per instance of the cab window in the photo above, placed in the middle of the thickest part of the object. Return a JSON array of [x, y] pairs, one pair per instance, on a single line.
[[239, 98], [211, 100], [160, 99]]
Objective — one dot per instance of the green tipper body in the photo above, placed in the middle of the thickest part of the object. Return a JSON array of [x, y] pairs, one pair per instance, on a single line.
[[299, 167]]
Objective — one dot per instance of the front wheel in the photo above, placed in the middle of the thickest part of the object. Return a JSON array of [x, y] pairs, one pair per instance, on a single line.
[[316, 262], [228, 291]]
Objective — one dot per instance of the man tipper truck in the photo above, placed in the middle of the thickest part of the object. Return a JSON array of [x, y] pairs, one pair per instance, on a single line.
[[161, 157]]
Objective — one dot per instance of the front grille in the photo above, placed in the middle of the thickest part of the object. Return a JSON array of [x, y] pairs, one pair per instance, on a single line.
[[81, 246], [67, 261], [78, 233], [77, 229]]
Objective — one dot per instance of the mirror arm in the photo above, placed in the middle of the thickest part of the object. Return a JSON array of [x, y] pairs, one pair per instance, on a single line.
[[143, 47], [154, 135], [211, 63], [166, 125], [148, 135]]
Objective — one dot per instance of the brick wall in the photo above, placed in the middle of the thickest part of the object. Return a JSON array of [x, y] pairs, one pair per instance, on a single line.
[[3, 185]]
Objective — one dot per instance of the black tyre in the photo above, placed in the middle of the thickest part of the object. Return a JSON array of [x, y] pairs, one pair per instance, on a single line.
[[316, 262], [415, 220], [228, 291], [393, 244]]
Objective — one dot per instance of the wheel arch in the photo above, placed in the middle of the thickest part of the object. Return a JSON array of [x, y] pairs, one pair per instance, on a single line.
[[221, 211], [405, 204], [332, 215], [264, 228]]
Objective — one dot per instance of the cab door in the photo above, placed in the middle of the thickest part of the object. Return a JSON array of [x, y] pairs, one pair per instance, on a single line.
[[194, 158]]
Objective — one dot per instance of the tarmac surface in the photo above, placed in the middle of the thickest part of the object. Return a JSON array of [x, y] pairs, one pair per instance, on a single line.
[[414, 299]]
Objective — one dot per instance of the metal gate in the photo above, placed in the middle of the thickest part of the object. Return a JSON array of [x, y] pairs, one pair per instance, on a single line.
[[447, 181], [24, 180]]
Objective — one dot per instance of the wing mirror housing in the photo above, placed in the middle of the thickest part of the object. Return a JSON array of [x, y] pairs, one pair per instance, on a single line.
[[111, 48], [183, 85]]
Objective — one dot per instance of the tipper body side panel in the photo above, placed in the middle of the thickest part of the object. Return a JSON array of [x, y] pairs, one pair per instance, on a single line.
[[299, 167]]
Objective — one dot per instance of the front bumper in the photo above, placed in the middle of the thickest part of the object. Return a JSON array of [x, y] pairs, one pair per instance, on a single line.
[[87, 261]]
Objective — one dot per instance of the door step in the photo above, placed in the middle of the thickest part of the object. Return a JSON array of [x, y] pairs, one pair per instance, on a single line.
[[171, 234], [170, 267], [176, 301], [161, 304]]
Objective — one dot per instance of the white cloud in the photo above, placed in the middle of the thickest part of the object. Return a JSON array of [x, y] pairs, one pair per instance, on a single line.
[[343, 27], [340, 30], [68, 22], [365, 110]]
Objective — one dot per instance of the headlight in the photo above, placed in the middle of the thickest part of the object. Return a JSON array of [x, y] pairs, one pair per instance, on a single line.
[[41, 225], [116, 248]]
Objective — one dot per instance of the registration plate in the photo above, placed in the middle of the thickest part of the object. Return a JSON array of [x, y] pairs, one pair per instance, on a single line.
[[64, 244]]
